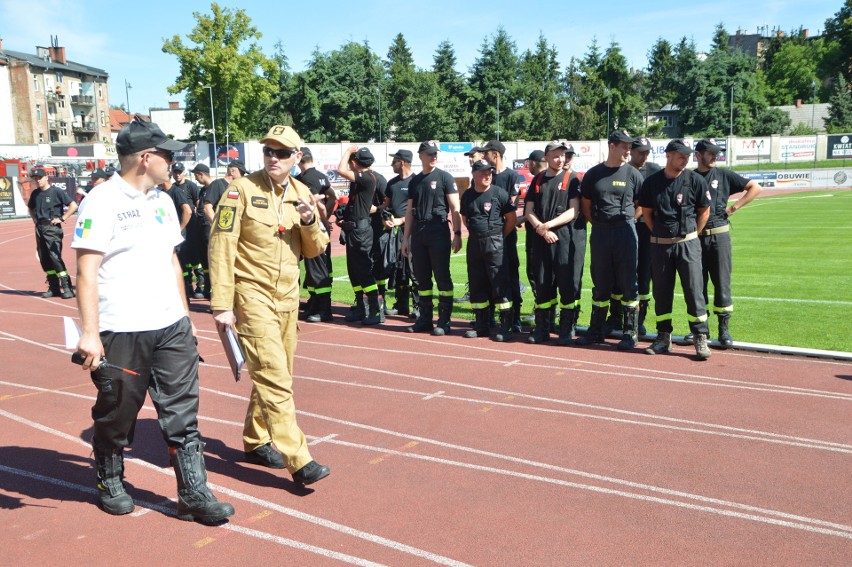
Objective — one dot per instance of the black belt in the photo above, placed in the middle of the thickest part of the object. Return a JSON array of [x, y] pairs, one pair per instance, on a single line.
[[617, 221], [492, 232], [44, 222], [352, 225]]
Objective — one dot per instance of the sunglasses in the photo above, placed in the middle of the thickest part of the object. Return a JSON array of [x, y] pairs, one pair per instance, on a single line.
[[279, 154], [165, 154]]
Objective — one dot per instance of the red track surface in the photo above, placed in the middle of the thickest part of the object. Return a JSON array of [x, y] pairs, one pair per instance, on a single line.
[[443, 451]]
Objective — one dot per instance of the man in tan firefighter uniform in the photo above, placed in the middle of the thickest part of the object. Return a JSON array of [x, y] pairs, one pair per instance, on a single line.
[[264, 222]]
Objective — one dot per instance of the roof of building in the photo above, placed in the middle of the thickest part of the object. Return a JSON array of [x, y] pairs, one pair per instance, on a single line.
[[806, 113], [50, 64], [118, 118]]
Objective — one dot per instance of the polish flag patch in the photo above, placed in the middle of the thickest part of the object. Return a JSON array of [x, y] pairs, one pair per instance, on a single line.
[[233, 194]]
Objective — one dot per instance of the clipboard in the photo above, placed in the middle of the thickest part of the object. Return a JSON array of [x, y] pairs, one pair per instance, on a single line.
[[235, 355]]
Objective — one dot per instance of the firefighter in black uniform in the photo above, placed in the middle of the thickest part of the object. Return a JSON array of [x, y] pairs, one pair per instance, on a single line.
[[716, 237], [579, 237], [510, 180], [676, 205], [202, 175], [432, 195], [552, 203], [382, 261], [489, 215], [396, 205], [355, 166], [318, 271], [610, 191], [190, 255], [639, 153], [47, 208]]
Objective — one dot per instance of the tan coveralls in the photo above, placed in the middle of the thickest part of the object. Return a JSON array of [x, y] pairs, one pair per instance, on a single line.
[[254, 270]]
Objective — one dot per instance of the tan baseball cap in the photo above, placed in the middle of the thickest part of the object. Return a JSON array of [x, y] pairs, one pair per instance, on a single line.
[[284, 135]]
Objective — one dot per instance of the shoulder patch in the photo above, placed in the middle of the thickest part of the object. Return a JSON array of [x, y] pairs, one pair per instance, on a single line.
[[225, 218], [233, 194], [260, 202]]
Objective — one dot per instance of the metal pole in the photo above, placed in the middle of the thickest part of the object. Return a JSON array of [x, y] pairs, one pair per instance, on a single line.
[[379, 97], [732, 111], [127, 87], [213, 124], [813, 107], [498, 116], [227, 125]]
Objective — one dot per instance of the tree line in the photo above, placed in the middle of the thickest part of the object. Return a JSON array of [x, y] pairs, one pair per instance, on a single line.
[[352, 93]]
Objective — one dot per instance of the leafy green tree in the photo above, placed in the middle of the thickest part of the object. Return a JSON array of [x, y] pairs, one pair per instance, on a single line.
[[454, 92], [216, 57], [838, 32], [398, 87], [661, 84], [839, 118], [277, 111], [494, 88], [792, 74], [542, 111], [625, 105], [771, 121]]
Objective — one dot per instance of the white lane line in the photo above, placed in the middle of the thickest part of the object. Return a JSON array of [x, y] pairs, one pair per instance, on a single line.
[[751, 435], [169, 510], [427, 397], [512, 363], [786, 300], [341, 528], [319, 440], [619, 372]]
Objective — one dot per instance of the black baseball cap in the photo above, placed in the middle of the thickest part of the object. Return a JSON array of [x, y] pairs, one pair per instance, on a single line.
[[495, 145], [569, 148], [641, 144], [38, 171], [474, 150], [620, 136], [404, 155], [430, 147], [178, 166], [536, 155], [481, 165], [555, 146], [678, 145], [239, 165], [109, 170], [99, 174], [200, 168], [363, 157], [306, 153], [138, 135], [708, 145]]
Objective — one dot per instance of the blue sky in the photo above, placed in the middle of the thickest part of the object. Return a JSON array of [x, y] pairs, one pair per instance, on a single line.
[[125, 38]]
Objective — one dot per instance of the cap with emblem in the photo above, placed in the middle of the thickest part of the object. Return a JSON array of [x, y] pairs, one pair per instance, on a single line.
[[138, 135], [363, 157], [474, 150], [641, 145], [178, 166], [284, 135], [200, 168], [109, 170], [708, 145], [678, 145], [554, 146], [495, 145], [536, 155], [620, 136], [430, 147], [239, 165], [404, 155], [38, 171], [481, 165], [99, 174]]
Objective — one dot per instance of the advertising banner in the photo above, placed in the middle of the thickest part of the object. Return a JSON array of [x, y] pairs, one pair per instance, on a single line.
[[80, 150], [753, 149], [226, 153], [798, 149], [67, 184], [763, 178], [7, 198], [797, 179], [839, 146]]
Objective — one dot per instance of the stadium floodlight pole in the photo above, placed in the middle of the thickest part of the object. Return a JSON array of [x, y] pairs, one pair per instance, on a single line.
[[379, 98], [213, 124]]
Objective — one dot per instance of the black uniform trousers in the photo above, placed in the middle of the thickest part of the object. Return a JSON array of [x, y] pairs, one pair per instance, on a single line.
[[49, 247], [167, 363], [615, 252], [551, 268], [318, 272], [431, 246], [188, 253], [402, 273], [716, 266], [643, 265], [384, 256], [486, 270], [579, 238], [203, 244], [359, 260], [513, 265], [683, 259]]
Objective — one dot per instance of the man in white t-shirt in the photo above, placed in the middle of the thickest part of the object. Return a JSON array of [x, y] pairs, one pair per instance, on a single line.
[[135, 314]]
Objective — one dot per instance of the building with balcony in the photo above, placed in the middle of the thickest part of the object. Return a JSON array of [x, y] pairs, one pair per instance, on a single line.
[[54, 100]]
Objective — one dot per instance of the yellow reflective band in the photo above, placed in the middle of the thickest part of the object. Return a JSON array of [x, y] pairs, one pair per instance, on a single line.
[[600, 303], [699, 319], [442, 293], [568, 305], [370, 288], [728, 309], [502, 306], [545, 305], [382, 282], [309, 288], [357, 288], [645, 297], [666, 317], [616, 297], [51, 272], [482, 305], [62, 274], [322, 290], [425, 293]]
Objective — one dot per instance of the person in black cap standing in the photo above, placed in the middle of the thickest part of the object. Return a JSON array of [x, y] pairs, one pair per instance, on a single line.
[[716, 237], [489, 214], [125, 240], [552, 203], [432, 195], [202, 176], [676, 205], [639, 153], [46, 205], [381, 251], [474, 154], [396, 206], [510, 180], [355, 166], [98, 176], [318, 273], [610, 191], [189, 252]]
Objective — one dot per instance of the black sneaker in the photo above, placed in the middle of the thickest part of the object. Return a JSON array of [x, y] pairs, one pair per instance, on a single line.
[[662, 344], [265, 456], [311, 473]]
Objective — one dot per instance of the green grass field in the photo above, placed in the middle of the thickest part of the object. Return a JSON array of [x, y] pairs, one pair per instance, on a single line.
[[792, 279]]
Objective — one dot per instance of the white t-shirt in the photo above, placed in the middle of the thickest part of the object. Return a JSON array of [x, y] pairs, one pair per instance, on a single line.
[[137, 234]]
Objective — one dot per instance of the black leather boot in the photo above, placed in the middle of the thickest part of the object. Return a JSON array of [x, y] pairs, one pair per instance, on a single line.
[[504, 332], [195, 501], [67, 290], [358, 311], [480, 324], [113, 499], [541, 331], [445, 312], [640, 321], [374, 309], [629, 338], [567, 321], [53, 288], [725, 338], [595, 332], [423, 324]]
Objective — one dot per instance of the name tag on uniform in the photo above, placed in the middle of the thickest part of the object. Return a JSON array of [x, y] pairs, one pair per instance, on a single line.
[[260, 202]]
